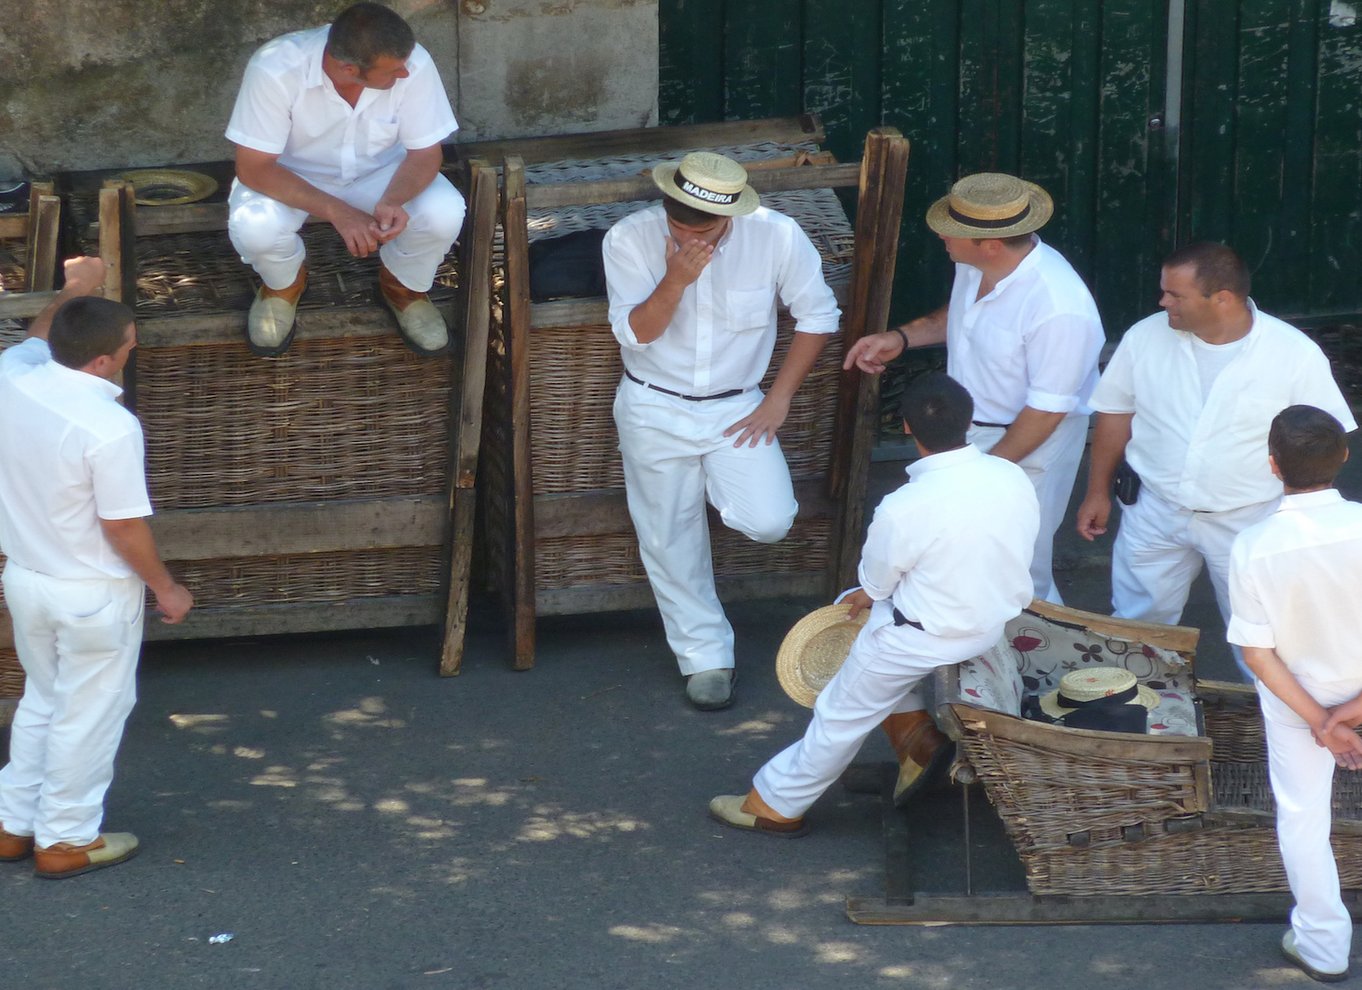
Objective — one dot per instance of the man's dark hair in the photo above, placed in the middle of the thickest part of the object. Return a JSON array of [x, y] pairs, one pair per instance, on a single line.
[[1308, 445], [687, 215], [1216, 267], [937, 410], [85, 328], [365, 32]]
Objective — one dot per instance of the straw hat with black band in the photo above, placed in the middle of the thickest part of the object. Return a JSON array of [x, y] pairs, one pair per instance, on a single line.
[[991, 205], [814, 649], [709, 182], [1105, 698]]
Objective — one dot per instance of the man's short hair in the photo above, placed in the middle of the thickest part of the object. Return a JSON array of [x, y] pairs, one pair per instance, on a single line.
[[1216, 267], [85, 328], [365, 32], [938, 410], [1308, 445], [687, 215]]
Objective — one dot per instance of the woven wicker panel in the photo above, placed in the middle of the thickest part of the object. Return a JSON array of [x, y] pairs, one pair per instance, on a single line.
[[312, 577], [612, 558], [345, 418]]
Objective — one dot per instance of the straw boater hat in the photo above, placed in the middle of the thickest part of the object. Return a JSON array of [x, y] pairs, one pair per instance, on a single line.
[[991, 204], [169, 186], [814, 649], [1080, 688], [708, 181]]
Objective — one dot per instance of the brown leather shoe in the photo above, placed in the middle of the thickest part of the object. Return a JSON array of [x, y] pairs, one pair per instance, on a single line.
[[270, 323], [65, 860], [923, 752], [14, 847], [418, 321], [750, 813]]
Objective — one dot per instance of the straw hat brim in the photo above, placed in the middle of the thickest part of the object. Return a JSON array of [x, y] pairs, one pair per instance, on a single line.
[[814, 649], [664, 178], [169, 186], [1049, 703], [939, 218]]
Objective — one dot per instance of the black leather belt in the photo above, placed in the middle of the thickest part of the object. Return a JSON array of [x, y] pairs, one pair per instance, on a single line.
[[996, 426], [689, 398], [902, 620]]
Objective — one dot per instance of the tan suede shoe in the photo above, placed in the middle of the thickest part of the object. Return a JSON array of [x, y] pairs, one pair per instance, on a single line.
[[739, 811], [65, 860], [418, 321], [923, 752], [270, 323], [14, 847]]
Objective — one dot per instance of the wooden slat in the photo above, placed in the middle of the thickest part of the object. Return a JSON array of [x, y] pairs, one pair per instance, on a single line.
[[14, 226], [300, 527], [274, 620], [42, 245], [761, 58], [1088, 742], [615, 598], [23, 305], [1179, 639], [475, 287], [570, 313], [1336, 228], [602, 144], [551, 195], [517, 317], [838, 77], [690, 72]]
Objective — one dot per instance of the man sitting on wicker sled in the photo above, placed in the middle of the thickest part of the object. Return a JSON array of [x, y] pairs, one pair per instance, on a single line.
[[946, 563]]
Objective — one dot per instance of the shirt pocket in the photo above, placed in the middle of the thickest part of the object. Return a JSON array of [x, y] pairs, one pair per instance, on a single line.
[[750, 309], [380, 135]]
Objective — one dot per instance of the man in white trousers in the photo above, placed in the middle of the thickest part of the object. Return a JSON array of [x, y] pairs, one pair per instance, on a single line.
[[1294, 579], [344, 122], [73, 508], [693, 285], [1187, 400], [1022, 334], [946, 564]]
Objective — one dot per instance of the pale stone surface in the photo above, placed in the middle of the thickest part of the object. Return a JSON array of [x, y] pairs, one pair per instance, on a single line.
[[124, 84]]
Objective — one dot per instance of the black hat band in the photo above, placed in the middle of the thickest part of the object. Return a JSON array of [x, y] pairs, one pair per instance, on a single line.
[[1119, 698], [988, 224], [700, 192]]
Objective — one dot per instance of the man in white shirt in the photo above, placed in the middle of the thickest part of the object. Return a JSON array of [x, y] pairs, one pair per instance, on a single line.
[[1022, 334], [1294, 579], [344, 123], [693, 285], [946, 564], [1187, 400], [73, 508]]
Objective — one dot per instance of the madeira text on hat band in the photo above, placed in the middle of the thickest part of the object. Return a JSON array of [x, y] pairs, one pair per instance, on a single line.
[[699, 192], [969, 221]]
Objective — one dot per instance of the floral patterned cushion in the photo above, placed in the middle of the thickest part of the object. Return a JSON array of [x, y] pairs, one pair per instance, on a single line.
[[1036, 652]]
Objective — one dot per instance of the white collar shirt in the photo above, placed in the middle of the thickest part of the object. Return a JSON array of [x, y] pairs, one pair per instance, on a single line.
[[70, 455], [1032, 341], [952, 549], [1211, 455], [723, 332], [287, 106], [1294, 579]]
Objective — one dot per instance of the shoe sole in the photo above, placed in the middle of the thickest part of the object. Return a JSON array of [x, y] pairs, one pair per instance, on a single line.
[[1318, 975], [930, 775], [798, 833], [727, 702], [89, 868]]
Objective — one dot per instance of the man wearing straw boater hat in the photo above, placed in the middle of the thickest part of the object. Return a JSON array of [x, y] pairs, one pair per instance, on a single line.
[[73, 502], [344, 123], [1022, 333], [1294, 579], [693, 285], [1186, 401], [946, 564]]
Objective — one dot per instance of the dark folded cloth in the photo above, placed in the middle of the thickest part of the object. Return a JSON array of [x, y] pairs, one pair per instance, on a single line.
[[567, 267]]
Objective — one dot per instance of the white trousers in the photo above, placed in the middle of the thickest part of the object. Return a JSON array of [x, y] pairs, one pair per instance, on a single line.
[[880, 678], [1159, 551], [265, 232], [1052, 468], [1302, 776], [675, 458], [78, 642]]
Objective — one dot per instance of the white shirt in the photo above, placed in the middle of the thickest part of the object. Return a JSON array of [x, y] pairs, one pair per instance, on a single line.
[[952, 549], [70, 455], [724, 329], [1294, 582], [289, 107], [1212, 456], [1033, 341]]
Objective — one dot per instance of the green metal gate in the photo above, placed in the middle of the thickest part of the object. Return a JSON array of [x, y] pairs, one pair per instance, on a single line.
[[1151, 122]]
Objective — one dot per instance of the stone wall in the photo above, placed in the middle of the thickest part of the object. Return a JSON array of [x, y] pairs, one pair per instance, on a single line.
[[123, 84]]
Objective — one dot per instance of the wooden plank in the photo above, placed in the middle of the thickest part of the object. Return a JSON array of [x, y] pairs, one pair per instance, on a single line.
[[761, 59], [1206, 197], [620, 597], [553, 195], [23, 305], [517, 317], [475, 288], [1336, 228], [300, 527], [273, 620], [44, 224], [313, 323], [1029, 909], [641, 140], [1180, 639], [1289, 269], [690, 84], [14, 226], [570, 313], [839, 81]]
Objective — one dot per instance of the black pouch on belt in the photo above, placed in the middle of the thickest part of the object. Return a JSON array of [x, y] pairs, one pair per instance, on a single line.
[[1126, 485]]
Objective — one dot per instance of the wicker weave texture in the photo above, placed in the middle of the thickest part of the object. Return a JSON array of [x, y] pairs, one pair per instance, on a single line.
[[311, 578], [11, 674], [345, 418]]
